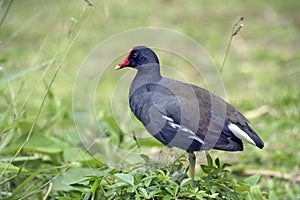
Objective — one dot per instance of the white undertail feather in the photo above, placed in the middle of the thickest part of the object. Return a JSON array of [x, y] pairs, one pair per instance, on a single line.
[[240, 133]]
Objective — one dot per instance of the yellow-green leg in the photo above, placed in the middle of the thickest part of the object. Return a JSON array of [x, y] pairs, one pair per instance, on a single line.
[[192, 160]]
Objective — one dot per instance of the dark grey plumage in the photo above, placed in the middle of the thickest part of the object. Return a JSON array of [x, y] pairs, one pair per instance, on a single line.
[[180, 114]]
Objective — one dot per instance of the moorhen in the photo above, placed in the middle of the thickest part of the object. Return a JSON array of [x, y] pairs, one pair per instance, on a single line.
[[183, 115]]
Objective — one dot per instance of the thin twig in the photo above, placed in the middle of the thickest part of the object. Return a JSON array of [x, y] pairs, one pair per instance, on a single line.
[[135, 139], [270, 173], [48, 191], [89, 3], [235, 30]]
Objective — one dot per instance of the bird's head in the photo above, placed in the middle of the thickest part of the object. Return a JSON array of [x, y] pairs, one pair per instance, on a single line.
[[139, 56]]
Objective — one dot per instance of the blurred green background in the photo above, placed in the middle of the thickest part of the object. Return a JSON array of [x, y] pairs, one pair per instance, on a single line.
[[45, 42]]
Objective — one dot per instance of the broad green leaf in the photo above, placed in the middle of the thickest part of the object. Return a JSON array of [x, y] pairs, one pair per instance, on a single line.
[[242, 188], [110, 193], [176, 190], [118, 185], [205, 168], [256, 193], [168, 197], [153, 193], [126, 178], [130, 189], [209, 159], [224, 165], [66, 180], [185, 182], [143, 192], [146, 181], [87, 196], [252, 180], [171, 191]]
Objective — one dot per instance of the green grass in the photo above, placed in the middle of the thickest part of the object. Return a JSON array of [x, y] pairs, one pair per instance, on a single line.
[[42, 48]]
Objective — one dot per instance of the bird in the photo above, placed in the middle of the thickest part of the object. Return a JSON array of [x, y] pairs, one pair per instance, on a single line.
[[183, 115]]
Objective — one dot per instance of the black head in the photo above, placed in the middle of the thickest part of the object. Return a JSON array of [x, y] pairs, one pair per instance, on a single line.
[[139, 56]]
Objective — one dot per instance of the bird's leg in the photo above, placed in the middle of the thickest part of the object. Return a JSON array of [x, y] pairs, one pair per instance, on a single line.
[[192, 160]]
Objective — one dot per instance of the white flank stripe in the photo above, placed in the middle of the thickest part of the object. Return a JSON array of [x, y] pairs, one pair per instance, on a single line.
[[197, 138], [240, 133], [168, 118], [177, 126]]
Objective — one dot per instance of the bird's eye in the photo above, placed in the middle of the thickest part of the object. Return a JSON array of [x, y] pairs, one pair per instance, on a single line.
[[134, 55]]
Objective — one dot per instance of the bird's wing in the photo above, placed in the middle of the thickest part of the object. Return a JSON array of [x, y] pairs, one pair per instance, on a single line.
[[218, 123], [225, 122], [159, 109], [203, 114], [191, 118]]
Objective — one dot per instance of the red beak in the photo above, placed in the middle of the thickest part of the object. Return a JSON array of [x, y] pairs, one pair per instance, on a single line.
[[124, 62]]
